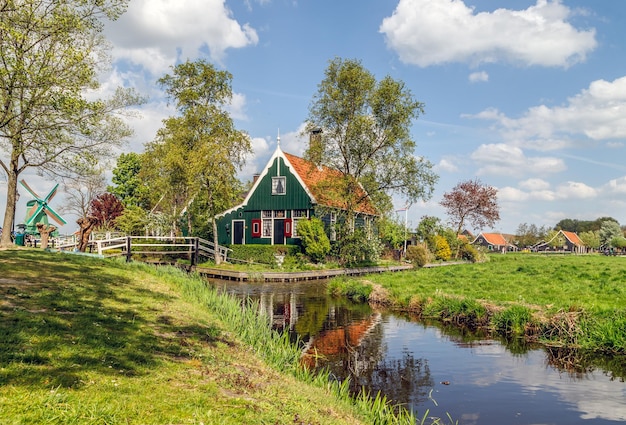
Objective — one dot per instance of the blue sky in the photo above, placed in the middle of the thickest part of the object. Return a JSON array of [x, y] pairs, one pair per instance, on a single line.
[[529, 97]]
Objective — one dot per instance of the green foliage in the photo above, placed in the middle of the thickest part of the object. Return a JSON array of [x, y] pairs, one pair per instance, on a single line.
[[469, 252], [264, 254], [590, 238], [127, 183], [51, 54], [428, 227], [314, 240], [392, 232], [512, 320], [419, 254], [442, 248], [197, 154], [349, 288], [132, 221], [365, 134], [610, 230], [357, 248]]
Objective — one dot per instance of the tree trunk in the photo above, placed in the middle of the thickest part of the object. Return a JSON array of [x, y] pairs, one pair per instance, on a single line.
[[44, 231], [86, 226], [9, 213], [218, 255]]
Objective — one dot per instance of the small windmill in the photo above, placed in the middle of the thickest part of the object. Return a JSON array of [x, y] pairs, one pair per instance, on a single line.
[[38, 210]]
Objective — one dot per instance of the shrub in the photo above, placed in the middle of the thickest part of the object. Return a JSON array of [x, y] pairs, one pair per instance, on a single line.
[[314, 240], [262, 253], [442, 248], [357, 248], [418, 255], [469, 252]]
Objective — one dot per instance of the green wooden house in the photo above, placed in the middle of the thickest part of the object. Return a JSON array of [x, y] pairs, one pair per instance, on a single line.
[[289, 189]]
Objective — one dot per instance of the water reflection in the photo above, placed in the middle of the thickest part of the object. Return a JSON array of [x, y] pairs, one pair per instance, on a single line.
[[446, 369]]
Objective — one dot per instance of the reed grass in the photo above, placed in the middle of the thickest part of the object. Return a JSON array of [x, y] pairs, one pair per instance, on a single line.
[[575, 301]]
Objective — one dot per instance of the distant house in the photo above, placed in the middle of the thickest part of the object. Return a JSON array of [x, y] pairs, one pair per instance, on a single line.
[[572, 243], [494, 242], [289, 189]]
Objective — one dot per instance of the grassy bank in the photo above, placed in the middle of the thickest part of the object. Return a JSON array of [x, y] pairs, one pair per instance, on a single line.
[[565, 300], [85, 340]]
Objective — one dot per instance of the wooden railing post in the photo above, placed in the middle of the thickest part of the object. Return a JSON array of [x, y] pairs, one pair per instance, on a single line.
[[194, 253], [128, 247]]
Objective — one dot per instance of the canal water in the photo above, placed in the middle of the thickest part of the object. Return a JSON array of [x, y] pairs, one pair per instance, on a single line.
[[443, 370]]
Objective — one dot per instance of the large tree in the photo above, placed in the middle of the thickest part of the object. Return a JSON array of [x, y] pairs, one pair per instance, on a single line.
[[196, 155], [127, 183], [362, 129], [471, 202], [51, 52]]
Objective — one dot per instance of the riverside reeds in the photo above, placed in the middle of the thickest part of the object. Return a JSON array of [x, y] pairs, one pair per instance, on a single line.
[[575, 301]]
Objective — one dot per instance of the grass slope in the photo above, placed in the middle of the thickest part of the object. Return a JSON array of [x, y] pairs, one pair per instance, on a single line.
[[89, 341]]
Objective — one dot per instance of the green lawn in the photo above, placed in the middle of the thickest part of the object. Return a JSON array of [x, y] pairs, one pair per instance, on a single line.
[[91, 341], [571, 300]]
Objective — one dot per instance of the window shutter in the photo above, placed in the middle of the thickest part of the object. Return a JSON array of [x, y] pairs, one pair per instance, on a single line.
[[256, 227], [288, 227]]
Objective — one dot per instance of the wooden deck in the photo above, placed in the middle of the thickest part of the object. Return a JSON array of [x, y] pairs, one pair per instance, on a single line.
[[292, 276]]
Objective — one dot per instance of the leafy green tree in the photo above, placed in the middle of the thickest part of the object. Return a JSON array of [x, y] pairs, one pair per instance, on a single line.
[[529, 234], [363, 129], [51, 53], [314, 240], [392, 232], [609, 230], [590, 238], [196, 155], [132, 221], [127, 183], [555, 239], [428, 227]]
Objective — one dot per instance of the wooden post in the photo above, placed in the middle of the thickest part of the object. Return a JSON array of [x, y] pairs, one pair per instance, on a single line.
[[128, 247], [194, 252]]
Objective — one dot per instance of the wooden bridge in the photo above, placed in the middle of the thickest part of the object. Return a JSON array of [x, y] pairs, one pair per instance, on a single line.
[[165, 248]]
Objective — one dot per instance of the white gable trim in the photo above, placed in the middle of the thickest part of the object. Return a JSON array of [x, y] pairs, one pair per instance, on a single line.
[[278, 153]]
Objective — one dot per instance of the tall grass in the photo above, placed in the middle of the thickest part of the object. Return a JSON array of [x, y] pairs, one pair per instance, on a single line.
[[576, 301], [279, 352]]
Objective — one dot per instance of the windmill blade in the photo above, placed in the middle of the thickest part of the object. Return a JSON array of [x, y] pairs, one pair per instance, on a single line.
[[31, 212], [28, 189], [52, 193], [32, 218], [56, 217]]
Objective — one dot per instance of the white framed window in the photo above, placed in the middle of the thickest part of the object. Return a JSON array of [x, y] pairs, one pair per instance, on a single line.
[[267, 228], [333, 223], [278, 185], [296, 216], [279, 214], [266, 214]]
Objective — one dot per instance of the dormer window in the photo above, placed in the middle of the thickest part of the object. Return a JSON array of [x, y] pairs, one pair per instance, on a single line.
[[278, 185]]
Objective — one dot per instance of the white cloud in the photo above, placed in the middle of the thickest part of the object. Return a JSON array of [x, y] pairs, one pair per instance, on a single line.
[[512, 194], [615, 145], [534, 184], [153, 33], [616, 186], [507, 160], [447, 165], [479, 77], [597, 113], [576, 190], [432, 32]]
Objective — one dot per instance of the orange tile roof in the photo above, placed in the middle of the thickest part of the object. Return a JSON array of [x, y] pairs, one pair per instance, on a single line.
[[494, 238], [318, 181], [572, 237]]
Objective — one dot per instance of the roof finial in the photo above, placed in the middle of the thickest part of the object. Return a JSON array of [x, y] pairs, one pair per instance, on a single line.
[[278, 138]]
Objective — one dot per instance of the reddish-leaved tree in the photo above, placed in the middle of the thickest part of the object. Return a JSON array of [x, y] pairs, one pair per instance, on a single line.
[[105, 208], [473, 203]]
